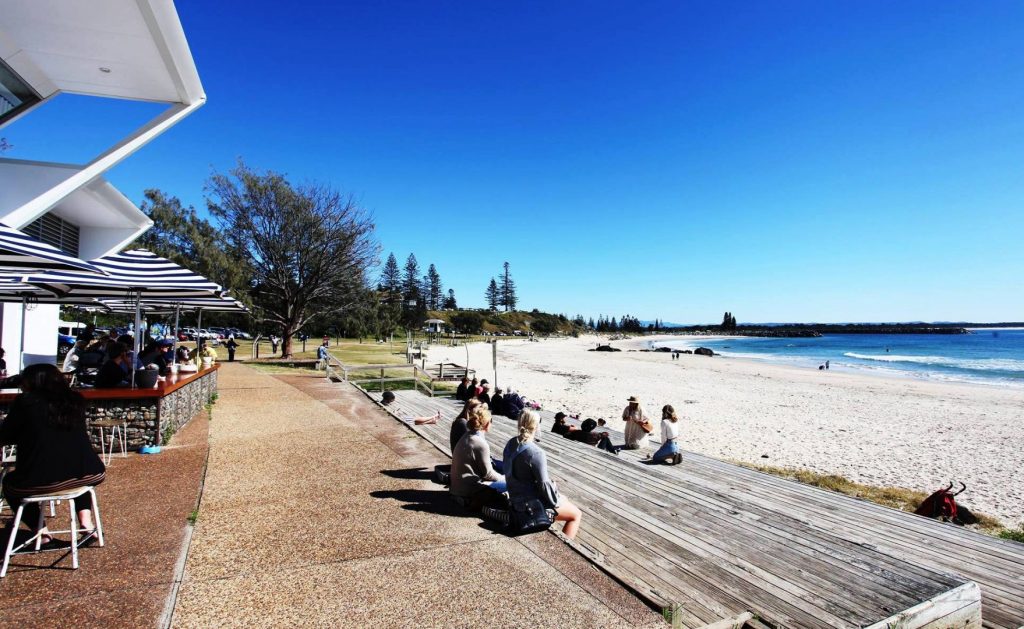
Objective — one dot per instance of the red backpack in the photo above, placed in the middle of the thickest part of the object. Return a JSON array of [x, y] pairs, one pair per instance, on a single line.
[[941, 504]]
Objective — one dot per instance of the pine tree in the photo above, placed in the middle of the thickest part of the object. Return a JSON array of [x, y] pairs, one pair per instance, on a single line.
[[411, 279], [591, 324], [507, 295], [391, 277], [435, 292], [493, 295], [449, 302]]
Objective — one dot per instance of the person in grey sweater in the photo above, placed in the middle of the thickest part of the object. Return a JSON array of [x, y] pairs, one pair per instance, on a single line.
[[527, 476], [461, 424], [473, 477]]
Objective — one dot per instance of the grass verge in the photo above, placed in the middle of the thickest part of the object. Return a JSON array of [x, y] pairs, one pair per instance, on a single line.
[[892, 497]]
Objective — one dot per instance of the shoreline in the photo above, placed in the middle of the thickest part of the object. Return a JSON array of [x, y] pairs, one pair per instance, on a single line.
[[807, 363], [883, 431]]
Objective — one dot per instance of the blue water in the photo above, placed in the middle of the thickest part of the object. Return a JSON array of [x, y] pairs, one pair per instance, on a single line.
[[985, 356]]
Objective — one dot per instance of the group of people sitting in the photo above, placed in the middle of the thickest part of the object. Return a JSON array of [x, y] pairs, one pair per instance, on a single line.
[[495, 487], [506, 403], [114, 359]]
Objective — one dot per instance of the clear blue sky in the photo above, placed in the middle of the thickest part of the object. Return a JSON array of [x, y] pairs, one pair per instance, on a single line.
[[786, 161]]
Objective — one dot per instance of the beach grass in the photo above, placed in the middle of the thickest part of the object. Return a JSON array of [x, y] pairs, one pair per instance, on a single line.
[[1014, 535], [892, 497]]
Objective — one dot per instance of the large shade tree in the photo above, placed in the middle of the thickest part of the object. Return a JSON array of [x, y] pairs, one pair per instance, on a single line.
[[309, 246]]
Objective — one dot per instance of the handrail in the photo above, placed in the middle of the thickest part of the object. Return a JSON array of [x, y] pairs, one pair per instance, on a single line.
[[335, 369]]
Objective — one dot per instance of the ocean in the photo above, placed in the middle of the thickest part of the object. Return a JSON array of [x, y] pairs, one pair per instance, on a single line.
[[986, 356]]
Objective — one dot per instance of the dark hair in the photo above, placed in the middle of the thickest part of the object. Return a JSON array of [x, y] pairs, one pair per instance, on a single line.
[[588, 425], [66, 407], [387, 398], [115, 349], [669, 413], [126, 339]]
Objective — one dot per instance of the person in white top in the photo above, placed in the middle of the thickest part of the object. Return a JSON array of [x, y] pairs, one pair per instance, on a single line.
[[669, 451]]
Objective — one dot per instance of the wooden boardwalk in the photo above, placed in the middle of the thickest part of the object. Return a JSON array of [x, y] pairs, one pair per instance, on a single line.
[[720, 540]]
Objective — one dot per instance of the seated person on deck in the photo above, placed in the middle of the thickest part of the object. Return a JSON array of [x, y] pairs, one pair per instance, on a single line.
[[473, 477]]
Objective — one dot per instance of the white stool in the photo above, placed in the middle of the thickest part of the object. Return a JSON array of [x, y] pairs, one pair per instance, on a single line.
[[119, 431], [69, 496]]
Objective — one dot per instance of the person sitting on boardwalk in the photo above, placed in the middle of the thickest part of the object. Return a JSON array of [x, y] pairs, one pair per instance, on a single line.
[[514, 404], [527, 477], [460, 426], [388, 398], [585, 434], [637, 425], [473, 478], [669, 450], [484, 393], [462, 393], [497, 403], [47, 423], [474, 388], [561, 427]]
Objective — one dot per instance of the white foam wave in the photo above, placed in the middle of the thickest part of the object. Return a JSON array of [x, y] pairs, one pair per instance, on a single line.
[[974, 364]]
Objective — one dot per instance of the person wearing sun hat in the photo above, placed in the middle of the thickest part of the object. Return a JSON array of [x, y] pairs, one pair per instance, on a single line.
[[637, 424]]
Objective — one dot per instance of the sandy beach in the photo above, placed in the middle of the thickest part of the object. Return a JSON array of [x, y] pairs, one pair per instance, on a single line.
[[871, 429]]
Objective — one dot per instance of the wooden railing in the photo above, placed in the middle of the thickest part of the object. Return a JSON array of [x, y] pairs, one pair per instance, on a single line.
[[382, 374]]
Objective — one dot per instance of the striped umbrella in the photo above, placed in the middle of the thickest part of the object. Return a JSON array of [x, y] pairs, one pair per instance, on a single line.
[[130, 274], [21, 252], [134, 274]]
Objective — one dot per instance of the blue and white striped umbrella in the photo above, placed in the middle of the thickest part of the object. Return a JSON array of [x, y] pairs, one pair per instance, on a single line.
[[134, 274], [211, 304], [21, 252]]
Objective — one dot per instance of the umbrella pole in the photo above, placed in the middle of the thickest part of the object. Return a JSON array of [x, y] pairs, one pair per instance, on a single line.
[[199, 333], [177, 312], [21, 351], [138, 333]]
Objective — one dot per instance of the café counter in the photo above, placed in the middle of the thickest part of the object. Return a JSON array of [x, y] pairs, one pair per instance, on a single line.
[[152, 415]]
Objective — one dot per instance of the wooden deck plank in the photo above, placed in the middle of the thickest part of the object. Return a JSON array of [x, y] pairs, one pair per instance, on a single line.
[[746, 558]]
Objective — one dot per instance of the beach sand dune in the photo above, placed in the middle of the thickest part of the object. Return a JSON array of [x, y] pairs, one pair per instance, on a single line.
[[881, 431]]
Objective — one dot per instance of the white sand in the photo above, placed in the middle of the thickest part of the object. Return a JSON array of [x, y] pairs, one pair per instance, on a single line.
[[883, 431]]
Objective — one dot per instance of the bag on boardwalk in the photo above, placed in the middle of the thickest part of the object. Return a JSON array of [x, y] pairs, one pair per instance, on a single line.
[[530, 516]]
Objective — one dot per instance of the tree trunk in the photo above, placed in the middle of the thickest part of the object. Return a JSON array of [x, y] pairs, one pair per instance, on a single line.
[[286, 341]]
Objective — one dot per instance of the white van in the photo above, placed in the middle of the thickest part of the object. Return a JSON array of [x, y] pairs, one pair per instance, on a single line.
[[70, 328]]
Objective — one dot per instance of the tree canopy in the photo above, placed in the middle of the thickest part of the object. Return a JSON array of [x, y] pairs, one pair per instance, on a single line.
[[308, 246]]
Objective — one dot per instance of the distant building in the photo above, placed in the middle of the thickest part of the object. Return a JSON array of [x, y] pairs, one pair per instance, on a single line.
[[434, 326], [125, 49]]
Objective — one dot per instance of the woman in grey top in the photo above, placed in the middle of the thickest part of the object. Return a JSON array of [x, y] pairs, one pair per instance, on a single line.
[[473, 477], [528, 478]]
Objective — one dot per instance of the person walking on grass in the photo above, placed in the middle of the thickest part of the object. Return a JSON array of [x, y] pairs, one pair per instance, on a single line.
[[526, 477], [669, 451], [232, 346], [637, 425]]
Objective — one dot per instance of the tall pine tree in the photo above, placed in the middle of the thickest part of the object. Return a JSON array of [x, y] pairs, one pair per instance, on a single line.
[[507, 293], [391, 277], [435, 292], [493, 295], [449, 302]]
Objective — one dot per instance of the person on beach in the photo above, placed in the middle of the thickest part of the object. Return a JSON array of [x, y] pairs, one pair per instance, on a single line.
[[461, 426], [826, 364], [669, 451], [637, 425], [47, 424], [462, 393], [601, 423], [526, 476], [585, 434], [473, 477]]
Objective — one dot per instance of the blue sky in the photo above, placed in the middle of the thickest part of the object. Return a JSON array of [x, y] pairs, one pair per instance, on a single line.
[[786, 161]]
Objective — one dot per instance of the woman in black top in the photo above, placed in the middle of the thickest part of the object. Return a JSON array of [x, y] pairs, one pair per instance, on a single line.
[[112, 373], [47, 424]]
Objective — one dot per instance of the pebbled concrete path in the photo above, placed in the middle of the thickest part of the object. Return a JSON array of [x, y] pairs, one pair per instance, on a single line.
[[317, 510]]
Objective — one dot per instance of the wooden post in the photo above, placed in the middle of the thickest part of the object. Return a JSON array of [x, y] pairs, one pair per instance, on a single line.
[[382, 380]]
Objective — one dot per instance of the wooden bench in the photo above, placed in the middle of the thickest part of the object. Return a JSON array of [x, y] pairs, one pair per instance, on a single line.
[[720, 540]]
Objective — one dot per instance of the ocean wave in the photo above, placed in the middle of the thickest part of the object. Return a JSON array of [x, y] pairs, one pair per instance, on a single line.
[[972, 364]]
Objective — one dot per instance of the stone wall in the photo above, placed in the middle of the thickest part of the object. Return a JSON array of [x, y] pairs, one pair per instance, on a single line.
[[149, 419]]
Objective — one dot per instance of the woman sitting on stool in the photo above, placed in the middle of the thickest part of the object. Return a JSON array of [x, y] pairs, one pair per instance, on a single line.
[[47, 423]]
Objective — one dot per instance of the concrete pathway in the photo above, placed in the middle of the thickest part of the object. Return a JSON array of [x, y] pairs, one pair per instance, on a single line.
[[317, 511]]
